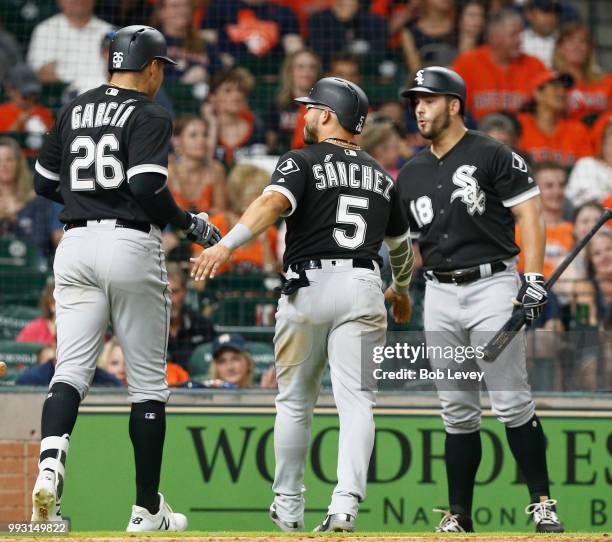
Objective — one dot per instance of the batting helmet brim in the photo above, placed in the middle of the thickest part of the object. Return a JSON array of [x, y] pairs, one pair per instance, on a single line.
[[407, 93], [166, 59], [307, 100]]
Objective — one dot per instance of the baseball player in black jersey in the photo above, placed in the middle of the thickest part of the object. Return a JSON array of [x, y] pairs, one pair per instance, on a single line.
[[339, 204], [105, 159], [463, 195]]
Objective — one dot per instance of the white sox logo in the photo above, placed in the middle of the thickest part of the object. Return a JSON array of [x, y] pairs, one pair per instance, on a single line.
[[469, 191], [117, 59], [420, 80]]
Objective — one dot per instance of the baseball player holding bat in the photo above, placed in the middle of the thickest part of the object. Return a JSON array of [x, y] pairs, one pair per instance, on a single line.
[[105, 159], [463, 195], [340, 205]]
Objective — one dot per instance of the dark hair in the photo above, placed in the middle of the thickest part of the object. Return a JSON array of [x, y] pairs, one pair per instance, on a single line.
[[345, 57], [241, 76], [541, 166], [592, 203]]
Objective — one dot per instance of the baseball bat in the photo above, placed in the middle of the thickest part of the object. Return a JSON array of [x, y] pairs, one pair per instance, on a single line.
[[516, 321]]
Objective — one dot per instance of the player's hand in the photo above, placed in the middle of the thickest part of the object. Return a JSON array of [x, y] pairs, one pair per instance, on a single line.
[[532, 296], [203, 232], [208, 263], [401, 308]]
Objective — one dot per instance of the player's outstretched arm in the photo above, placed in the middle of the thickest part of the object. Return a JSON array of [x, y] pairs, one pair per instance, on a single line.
[[402, 264], [258, 217]]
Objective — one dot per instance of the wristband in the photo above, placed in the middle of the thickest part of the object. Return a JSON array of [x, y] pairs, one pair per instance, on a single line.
[[238, 235], [399, 289]]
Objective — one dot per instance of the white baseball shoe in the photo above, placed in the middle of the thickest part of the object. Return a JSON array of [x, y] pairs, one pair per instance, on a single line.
[[453, 523], [336, 523], [164, 520], [545, 517], [285, 526], [44, 497]]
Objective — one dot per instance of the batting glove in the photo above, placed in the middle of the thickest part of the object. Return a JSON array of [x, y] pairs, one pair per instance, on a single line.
[[203, 232], [532, 296]]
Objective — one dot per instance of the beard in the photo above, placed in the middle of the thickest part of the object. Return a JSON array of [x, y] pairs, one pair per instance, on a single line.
[[310, 135], [438, 125]]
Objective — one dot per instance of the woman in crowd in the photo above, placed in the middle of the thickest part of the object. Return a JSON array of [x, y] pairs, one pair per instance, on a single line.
[[244, 184], [196, 61], [196, 179], [42, 330], [591, 178], [574, 53], [22, 214], [547, 134], [471, 25], [239, 131], [428, 38], [233, 366], [436, 36], [298, 74]]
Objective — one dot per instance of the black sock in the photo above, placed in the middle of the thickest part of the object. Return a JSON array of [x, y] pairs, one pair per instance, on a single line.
[[60, 410], [147, 432], [528, 446], [462, 454]]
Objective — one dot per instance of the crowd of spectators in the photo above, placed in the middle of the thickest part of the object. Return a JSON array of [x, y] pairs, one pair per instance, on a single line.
[[532, 72]]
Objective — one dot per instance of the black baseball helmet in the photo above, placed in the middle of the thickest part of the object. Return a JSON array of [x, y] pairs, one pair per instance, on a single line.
[[133, 47], [346, 99], [437, 80]]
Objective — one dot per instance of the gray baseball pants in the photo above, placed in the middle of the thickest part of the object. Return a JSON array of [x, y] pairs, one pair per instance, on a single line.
[[341, 310], [103, 275], [462, 315]]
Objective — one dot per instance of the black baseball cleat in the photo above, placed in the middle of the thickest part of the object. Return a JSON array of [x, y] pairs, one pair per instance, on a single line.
[[336, 523], [454, 523], [545, 516]]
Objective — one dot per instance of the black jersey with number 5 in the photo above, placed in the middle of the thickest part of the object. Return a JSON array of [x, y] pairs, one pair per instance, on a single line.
[[97, 144], [343, 203], [459, 205]]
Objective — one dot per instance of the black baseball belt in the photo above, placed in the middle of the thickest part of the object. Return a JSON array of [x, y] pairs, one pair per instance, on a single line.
[[465, 276], [292, 285], [119, 223]]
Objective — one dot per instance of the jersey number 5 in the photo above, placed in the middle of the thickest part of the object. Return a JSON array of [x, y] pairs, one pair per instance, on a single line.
[[344, 216], [108, 169]]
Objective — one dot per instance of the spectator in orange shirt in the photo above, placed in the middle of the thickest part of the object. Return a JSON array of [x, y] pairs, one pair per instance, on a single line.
[[196, 179], [547, 135], [23, 113], [498, 75], [239, 131], [551, 179], [591, 93], [244, 184]]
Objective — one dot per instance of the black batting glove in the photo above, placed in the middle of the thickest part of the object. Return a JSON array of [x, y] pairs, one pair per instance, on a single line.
[[532, 296], [203, 232]]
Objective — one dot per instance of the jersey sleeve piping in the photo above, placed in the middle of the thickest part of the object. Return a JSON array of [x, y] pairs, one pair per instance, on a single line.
[[46, 173], [520, 198], [146, 168], [285, 192]]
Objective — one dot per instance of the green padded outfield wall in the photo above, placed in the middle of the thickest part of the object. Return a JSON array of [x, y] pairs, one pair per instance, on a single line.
[[218, 465]]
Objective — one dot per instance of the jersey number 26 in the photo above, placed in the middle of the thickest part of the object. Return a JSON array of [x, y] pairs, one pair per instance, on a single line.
[[108, 169]]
